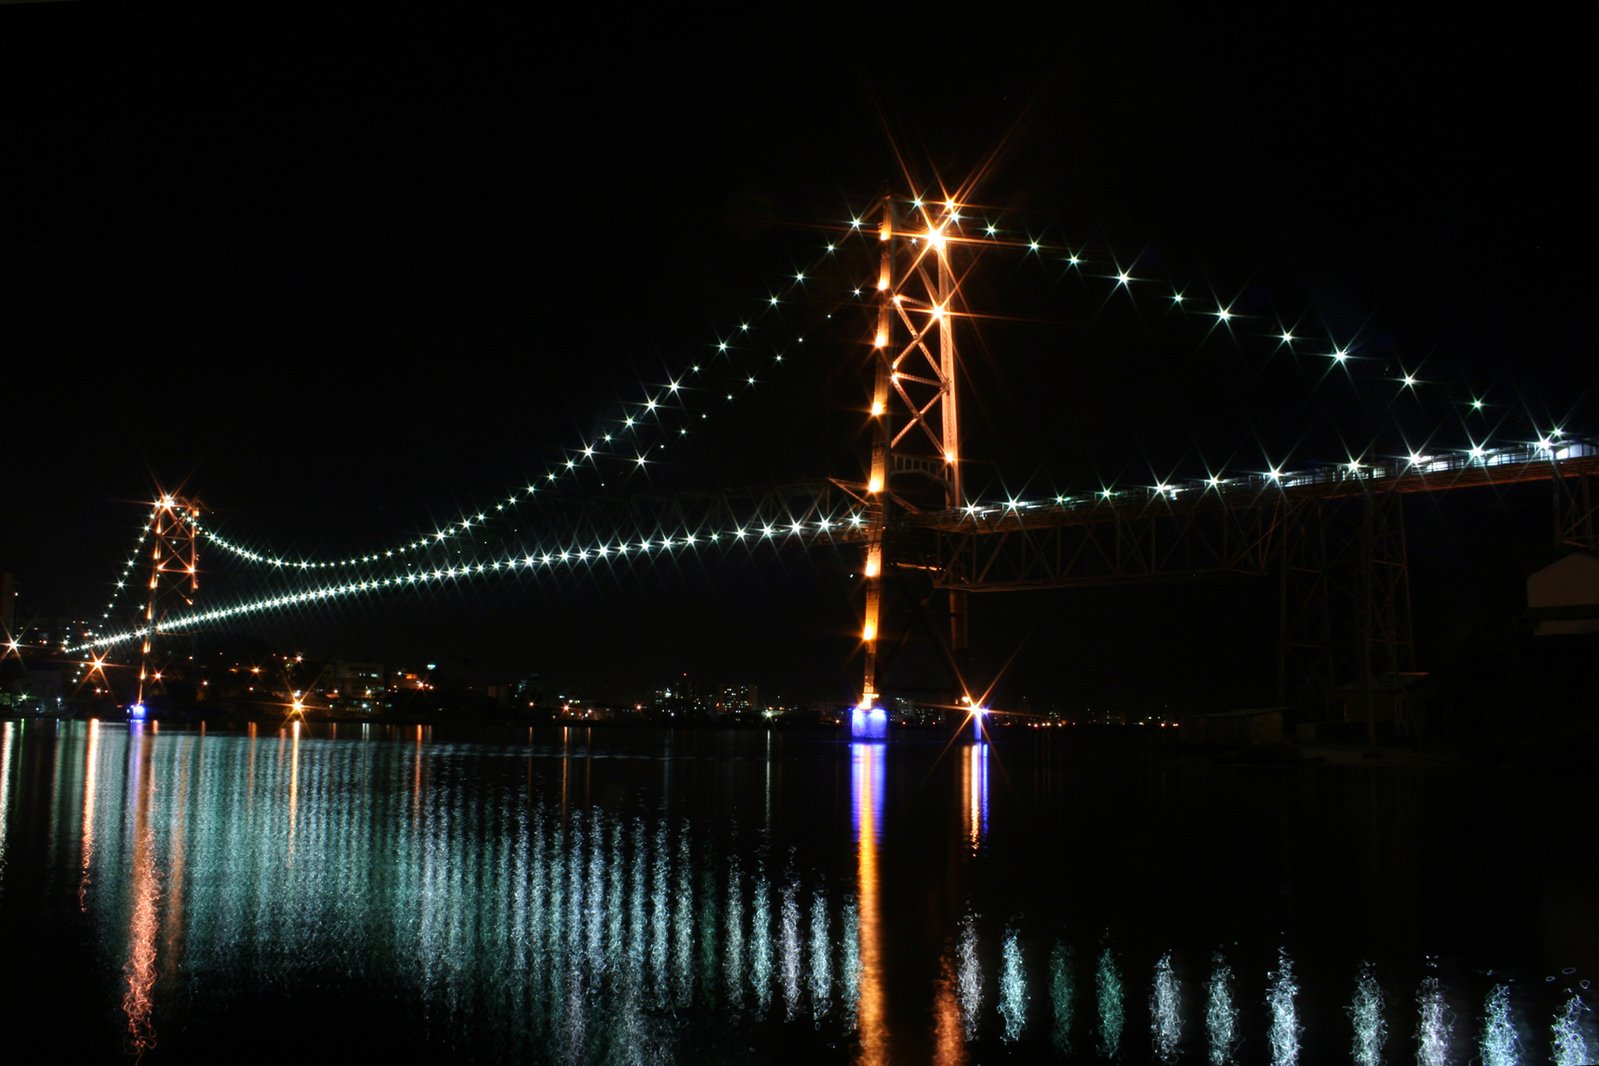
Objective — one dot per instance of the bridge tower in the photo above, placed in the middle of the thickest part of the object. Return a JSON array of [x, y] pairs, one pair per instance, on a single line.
[[174, 574], [915, 425]]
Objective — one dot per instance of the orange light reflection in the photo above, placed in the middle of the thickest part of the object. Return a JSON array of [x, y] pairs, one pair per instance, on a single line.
[[867, 778], [145, 892], [91, 761]]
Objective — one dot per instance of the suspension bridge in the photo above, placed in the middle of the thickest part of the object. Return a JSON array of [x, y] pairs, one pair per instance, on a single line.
[[1332, 533]]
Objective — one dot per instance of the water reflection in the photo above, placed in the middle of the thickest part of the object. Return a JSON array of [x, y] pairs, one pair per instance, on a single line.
[[1108, 991], [969, 975], [789, 949], [821, 973], [1499, 1045], [1013, 994], [143, 890], [949, 1033], [5, 792], [1165, 1011], [1221, 1015], [866, 764], [1365, 1016], [90, 792], [519, 922], [1061, 990], [1281, 990], [974, 786], [1566, 1037], [1433, 1023]]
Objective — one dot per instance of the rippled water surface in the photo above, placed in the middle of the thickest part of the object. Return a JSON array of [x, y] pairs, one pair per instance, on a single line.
[[576, 895]]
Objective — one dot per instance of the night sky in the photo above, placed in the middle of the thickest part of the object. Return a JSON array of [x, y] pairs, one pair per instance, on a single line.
[[345, 281]]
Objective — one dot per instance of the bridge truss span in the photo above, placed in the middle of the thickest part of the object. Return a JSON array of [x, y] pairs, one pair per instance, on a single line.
[[1106, 545], [1222, 527]]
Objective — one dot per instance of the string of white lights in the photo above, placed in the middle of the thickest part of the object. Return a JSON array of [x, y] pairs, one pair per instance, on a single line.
[[1107, 267], [125, 576], [767, 530], [757, 531], [621, 439], [1439, 462]]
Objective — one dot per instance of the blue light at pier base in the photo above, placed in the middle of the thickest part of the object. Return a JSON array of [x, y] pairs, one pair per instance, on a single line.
[[868, 723]]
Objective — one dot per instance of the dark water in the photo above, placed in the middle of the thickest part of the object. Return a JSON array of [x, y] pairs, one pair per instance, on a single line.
[[626, 896]]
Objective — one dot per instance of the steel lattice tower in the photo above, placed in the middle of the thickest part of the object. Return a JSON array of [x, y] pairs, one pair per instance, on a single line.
[[915, 413], [174, 570]]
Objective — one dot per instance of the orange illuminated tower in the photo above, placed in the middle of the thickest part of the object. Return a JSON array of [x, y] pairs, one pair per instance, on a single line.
[[914, 413], [174, 571]]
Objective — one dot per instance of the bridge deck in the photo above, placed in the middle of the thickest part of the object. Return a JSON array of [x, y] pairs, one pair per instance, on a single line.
[[1431, 474]]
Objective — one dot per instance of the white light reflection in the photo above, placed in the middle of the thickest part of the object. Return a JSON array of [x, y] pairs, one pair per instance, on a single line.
[[789, 947], [760, 972], [1108, 992], [491, 911], [1365, 1016], [1221, 1016], [850, 964], [1013, 995], [635, 899], [968, 975], [1165, 1011], [660, 873], [683, 923], [1283, 1035], [820, 959], [1060, 996], [1499, 1045], [614, 946], [1565, 1034], [733, 941], [1433, 1023]]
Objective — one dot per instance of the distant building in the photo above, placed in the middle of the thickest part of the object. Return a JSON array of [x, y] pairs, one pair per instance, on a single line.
[[678, 700], [736, 701], [528, 692], [354, 680], [1563, 597]]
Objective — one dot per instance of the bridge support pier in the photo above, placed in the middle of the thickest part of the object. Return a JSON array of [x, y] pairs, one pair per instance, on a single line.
[[1345, 622], [1576, 510]]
